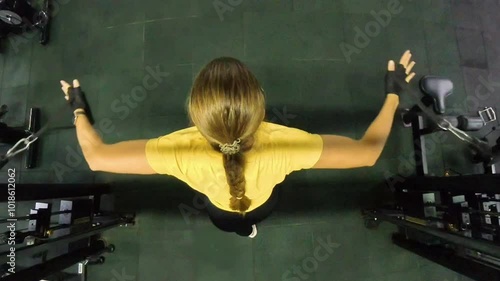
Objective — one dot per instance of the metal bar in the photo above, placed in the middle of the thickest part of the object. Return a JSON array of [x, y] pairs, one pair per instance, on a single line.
[[490, 169], [29, 192], [463, 210], [488, 183], [478, 245], [449, 259], [40, 271], [32, 216], [31, 156], [419, 145], [69, 238]]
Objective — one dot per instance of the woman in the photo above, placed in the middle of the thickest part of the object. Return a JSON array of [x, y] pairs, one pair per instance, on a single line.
[[231, 155]]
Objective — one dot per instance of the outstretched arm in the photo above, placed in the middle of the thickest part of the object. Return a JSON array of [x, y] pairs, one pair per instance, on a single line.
[[128, 157], [343, 152]]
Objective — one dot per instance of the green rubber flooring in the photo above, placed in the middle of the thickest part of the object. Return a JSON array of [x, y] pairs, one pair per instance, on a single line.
[[322, 64]]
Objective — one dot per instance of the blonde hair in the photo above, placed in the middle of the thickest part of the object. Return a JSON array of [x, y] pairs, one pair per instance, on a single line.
[[227, 105]]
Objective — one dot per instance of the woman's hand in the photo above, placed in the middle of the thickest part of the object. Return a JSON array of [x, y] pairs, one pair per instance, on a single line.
[[74, 98], [398, 76]]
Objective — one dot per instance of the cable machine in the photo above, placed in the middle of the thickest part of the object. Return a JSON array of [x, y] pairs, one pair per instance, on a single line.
[[451, 220]]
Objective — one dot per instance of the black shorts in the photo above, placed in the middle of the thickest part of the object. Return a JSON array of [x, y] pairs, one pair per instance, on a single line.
[[235, 222]]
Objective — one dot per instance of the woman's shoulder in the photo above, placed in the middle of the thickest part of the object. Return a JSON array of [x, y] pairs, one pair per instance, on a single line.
[[278, 130], [186, 134]]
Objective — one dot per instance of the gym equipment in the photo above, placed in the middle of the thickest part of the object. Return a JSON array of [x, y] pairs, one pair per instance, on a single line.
[[59, 244], [73, 214], [16, 16], [16, 137], [23, 139], [451, 220], [438, 89], [424, 121]]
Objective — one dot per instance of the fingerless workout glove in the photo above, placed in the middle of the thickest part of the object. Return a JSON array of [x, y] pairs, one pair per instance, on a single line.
[[77, 100], [395, 81]]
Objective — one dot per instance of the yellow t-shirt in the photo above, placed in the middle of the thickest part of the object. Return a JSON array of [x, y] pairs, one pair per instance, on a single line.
[[277, 151]]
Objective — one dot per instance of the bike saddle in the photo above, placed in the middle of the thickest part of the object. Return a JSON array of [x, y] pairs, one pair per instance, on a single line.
[[438, 88]]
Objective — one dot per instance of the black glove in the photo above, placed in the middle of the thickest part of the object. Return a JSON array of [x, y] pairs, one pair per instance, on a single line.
[[77, 100], [395, 81]]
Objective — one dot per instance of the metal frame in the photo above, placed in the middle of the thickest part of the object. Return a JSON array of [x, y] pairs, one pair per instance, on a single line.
[[414, 117], [38, 272], [479, 245], [27, 23], [453, 255], [63, 250]]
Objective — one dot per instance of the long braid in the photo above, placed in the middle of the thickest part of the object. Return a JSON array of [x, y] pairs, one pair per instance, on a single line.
[[227, 104]]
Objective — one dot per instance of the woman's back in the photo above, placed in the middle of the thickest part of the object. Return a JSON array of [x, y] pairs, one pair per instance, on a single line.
[[278, 150]]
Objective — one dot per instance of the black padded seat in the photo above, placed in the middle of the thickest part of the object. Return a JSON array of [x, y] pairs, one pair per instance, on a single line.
[[438, 88]]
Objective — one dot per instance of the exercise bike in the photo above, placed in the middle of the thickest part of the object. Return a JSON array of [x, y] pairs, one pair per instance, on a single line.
[[18, 16], [424, 121]]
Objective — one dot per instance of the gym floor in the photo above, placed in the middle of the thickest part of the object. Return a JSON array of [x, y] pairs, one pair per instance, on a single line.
[[321, 64]]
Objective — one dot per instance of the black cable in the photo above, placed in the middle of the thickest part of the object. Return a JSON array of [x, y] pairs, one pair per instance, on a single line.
[[480, 147], [35, 135]]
